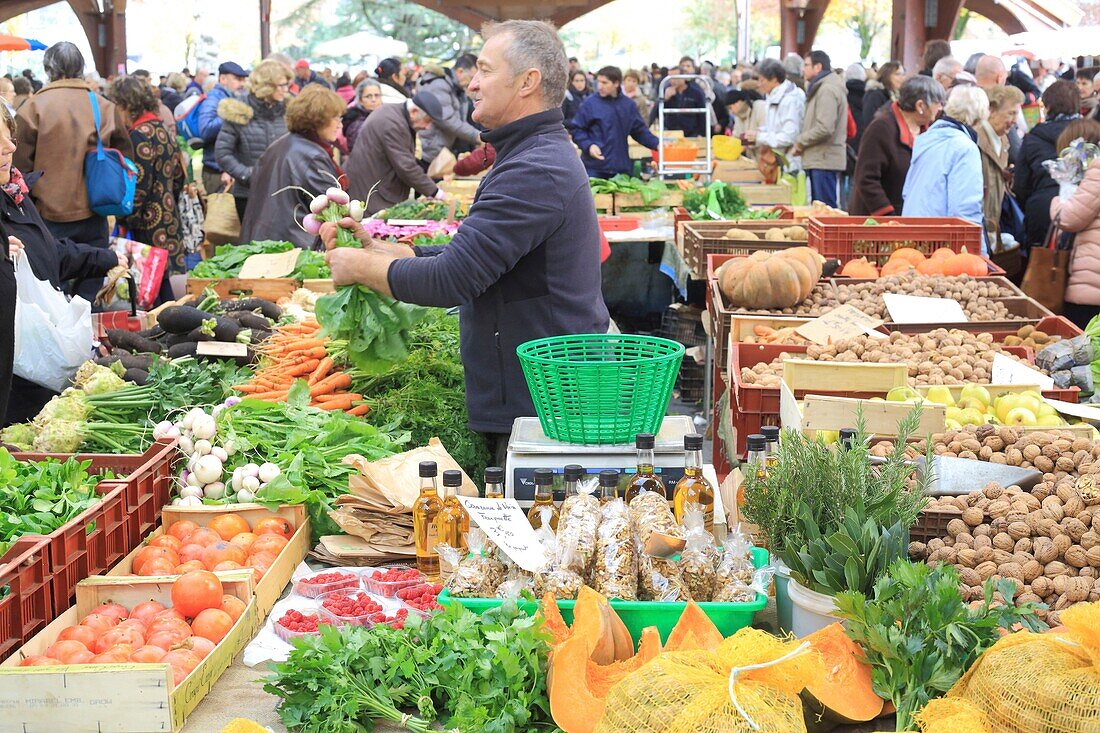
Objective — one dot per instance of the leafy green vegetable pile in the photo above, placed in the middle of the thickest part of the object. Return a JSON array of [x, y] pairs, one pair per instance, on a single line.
[[722, 201], [228, 259], [919, 635], [308, 444], [426, 395], [375, 327], [429, 209], [651, 190], [37, 497], [470, 673]]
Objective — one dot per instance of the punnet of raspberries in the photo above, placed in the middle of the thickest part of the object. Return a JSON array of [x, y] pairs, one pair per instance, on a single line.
[[350, 605], [391, 575], [297, 621], [422, 597]]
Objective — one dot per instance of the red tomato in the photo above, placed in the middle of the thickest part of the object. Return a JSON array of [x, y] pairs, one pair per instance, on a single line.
[[212, 624], [99, 622], [166, 540], [274, 525], [38, 660], [243, 540], [228, 525], [182, 529], [144, 612], [112, 609], [118, 635], [86, 635], [63, 650], [148, 654], [233, 606], [220, 552], [195, 592], [191, 551]]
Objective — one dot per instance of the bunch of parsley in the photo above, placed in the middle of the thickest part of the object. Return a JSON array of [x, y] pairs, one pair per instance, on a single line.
[[468, 672]]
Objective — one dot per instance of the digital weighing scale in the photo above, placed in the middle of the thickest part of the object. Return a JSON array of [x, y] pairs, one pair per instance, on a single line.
[[529, 448]]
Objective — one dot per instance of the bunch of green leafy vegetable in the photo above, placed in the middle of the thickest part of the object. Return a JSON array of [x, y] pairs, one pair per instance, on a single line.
[[719, 201], [188, 382], [651, 190], [467, 672], [37, 497], [430, 209], [919, 635], [425, 394], [374, 326], [229, 258], [439, 238], [308, 444]]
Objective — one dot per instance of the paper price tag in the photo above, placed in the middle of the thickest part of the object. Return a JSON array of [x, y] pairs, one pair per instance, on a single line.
[[1085, 412], [839, 323], [507, 526], [1007, 370], [919, 309], [221, 348], [276, 264]]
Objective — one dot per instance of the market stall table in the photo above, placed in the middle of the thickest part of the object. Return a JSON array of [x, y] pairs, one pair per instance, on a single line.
[[639, 280]]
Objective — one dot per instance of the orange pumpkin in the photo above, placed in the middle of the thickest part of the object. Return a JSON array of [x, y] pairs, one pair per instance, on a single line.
[[770, 280], [694, 631], [845, 694], [909, 254], [931, 266], [943, 253], [860, 268], [896, 267], [965, 263]]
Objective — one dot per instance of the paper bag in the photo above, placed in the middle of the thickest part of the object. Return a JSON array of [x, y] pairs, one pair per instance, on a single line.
[[396, 479]]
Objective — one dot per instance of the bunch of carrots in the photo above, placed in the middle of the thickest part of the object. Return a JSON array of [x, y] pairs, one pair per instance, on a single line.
[[297, 351]]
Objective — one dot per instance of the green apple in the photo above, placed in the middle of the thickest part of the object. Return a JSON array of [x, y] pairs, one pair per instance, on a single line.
[[940, 394], [976, 391], [901, 394], [1031, 393], [1049, 421], [954, 413], [971, 416], [1030, 403], [974, 402], [828, 437], [876, 399], [1005, 404], [953, 424], [1020, 416], [1045, 408]]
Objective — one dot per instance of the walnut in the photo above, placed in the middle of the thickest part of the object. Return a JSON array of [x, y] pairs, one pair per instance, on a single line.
[[1031, 452], [1028, 598], [1011, 570], [987, 570], [1001, 556], [983, 542], [982, 530], [964, 540], [1031, 570], [1044, 464], [1074, 528], [1077, 557], [1044, 550], [970, 576], [992, 490], [973, 516], [918, 550], [1022, 545], [1042, 586], [1092, 555], [1055, 569], [1020, 530], [1014, 457], [1003, 541], [1065, 492], [955, 527], [999, 508], [935, 543], [1062, 543]]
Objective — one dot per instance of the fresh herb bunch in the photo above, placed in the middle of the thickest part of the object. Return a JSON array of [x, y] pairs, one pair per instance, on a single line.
[[429, 209], [37, 497], [375, 327], [920, 636], [828, 479], [717, 201], [468, 672], [651, 190], [851, 558]]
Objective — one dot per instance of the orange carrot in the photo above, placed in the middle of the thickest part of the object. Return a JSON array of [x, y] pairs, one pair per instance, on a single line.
[[302, 344], [272, 396], [337, 395], [344, 402], [246, 388], [330, 384], [303, 369], [322, 370], [359, 410]]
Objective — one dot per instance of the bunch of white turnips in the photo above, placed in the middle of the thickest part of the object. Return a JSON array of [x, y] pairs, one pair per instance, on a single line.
[[204, 475]]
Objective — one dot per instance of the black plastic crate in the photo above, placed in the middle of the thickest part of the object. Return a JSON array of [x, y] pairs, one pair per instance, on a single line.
[[684, 324]]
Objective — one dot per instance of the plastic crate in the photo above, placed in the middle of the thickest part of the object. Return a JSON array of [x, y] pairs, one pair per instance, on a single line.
[[1051, 325], [619, 223], [109, 540], [702, 238], [932, 523], [848, 238], [684, 324], [27, 605]]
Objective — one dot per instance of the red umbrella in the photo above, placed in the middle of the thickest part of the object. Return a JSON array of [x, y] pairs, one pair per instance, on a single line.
[[13, 43]]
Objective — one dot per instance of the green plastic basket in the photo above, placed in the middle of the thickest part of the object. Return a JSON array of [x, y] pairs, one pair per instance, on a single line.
[[600, 388], [636, 615]]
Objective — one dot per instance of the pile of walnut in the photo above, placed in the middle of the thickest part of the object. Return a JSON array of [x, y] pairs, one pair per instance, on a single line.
[[975, 296], [937, 357], [822, 300], [1032, 338]]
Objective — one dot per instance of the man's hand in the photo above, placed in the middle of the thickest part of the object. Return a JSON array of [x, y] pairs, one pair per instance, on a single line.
[[329, 230], [347, 264], [749, 136], [227, 181], [15, 246], [670, 92], [795, 150], [595, 152], [441, 195]]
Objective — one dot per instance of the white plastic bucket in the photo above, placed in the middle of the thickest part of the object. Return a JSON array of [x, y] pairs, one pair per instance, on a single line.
[[810, 610]]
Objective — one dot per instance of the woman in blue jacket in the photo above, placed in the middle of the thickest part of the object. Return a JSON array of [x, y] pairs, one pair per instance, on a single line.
[[602, 125], [945, 177]]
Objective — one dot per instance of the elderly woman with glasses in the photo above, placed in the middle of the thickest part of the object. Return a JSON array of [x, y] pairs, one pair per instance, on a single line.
[[368, 97], [249, 127]]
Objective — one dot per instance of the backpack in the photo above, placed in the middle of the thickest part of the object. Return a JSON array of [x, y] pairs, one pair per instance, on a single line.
[[110, 177], [187, 116]]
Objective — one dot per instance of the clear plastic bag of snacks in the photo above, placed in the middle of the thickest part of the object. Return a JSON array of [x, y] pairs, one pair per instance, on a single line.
[[475, 576], [699, 556], [615, 570]]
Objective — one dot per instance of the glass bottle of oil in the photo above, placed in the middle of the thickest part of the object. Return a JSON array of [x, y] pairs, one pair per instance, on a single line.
[[609, 485], [847, 435], [771, 452], [645, 479], [453, 520], [425, 524], [544, 500], [693, 488], [494, 482], [756, 462], [573, 476]]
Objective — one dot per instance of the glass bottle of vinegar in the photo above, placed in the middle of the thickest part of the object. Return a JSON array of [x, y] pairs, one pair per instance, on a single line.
[[453, 520], [645, 479], [544, 505], [693, 488], [609, 485], [494, 482], [425, 520]]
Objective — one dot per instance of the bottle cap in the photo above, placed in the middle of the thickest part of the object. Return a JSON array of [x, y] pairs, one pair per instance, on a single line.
[[428, 469], [757, 442], [573, 472], [644, 441], [847, 436], [693, 441], [494, 475], [770, 432], [452, 478], [544, 477], [609, 478]]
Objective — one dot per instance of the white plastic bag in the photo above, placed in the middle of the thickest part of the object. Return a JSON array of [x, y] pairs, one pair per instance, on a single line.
[[53, 335]]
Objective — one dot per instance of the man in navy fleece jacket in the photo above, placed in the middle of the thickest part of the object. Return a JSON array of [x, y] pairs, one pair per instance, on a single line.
[[525, 263], [603, 123]]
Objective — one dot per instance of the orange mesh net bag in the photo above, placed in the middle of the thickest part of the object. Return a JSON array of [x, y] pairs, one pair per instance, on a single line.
[[1032, 682], [751, 682]]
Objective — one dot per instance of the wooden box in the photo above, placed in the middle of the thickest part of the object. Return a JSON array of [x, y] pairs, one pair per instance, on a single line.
[[121, 698], [626, 202], [320, 285], [272, 288], [766, 193], [737, 171], [271, 586], [822, 412]]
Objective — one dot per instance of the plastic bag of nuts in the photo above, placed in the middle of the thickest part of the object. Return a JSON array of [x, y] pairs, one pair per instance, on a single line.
[[579, 518], [735, 570], [478, 574], [699, 555], [559, 580], [615, 570], [659, 579]]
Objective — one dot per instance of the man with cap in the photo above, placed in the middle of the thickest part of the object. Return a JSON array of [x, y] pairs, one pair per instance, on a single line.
[[231, 78], [384, 156], [748, 110], [304, 75]]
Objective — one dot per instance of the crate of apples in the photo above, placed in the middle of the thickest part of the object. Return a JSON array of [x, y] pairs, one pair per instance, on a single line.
[[226, 543], [180, 635]]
